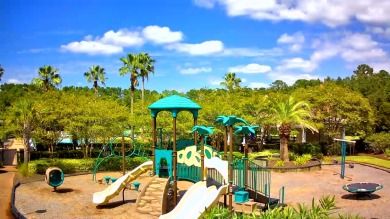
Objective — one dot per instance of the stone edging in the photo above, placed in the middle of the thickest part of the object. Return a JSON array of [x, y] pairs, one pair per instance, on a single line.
[[14, 210]]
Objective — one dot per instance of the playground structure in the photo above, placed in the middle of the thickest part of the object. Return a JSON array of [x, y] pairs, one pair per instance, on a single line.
[[362, 188], [195, 163], [109, 150], [54, 177]]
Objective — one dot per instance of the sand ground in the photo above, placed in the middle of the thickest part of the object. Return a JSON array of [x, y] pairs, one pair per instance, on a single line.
[[74, 197]]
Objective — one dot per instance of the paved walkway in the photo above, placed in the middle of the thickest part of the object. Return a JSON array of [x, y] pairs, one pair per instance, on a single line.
[[6, 182]]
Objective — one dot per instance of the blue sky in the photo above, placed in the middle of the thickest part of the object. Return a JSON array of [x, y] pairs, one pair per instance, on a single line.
[[194, 42]]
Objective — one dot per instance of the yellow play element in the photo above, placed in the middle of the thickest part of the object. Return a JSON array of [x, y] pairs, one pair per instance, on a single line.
[[114, 189], [191, 156]]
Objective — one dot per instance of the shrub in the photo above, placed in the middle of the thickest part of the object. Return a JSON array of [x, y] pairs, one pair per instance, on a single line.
[[292, 156], [387, 152], [265, 153], [378, 142], [82, 165], [312, 148], [1, 163], [237, 155], [325, 209], [279, 163], [302, 160], [327, 160]]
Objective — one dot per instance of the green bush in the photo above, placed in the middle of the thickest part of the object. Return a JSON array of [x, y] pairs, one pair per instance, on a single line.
[[1, 163], [279, 163], [387, 152], [378, 142], [267, 153], [325, 209], [312, 148], [292, 155], [302, 160], [82, 165], [237, 155]]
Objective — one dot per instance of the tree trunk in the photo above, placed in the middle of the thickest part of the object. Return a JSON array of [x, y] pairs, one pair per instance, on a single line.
[[143, 90], [284, 148], [26, 144]]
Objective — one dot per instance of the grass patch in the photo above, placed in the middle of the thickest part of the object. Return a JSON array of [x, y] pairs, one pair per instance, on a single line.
[[367, 160]]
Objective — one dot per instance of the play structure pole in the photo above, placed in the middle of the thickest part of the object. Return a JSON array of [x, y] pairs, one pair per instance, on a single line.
[[195, 133], [343, 150], [154, 144], [230, 168], [174, 156], [343, 154], [123, 153], [202, 158], [225, 143], [246, 162]]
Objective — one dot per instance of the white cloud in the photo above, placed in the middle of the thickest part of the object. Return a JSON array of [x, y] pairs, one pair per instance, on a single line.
[[194, 70], [295, 41], [205, 3], [331, 13], [122, 37], [352, 47], [289, 78], [250, 68], [297, 63], [215, 81], [14, 81], [383, 31], [161, 35], [92, 48], [363, 55], [258, 85], [205, 48], [251, 52]]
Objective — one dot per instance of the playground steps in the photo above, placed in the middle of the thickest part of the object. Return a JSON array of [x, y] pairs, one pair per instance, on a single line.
[[261, 198], [152, 199], [248, 207]]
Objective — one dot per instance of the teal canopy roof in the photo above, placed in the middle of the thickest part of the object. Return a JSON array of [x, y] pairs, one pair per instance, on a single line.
[[174, 104]]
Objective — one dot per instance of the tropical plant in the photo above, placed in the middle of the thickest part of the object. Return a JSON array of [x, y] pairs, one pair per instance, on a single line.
[[146, 67], [22, 119], [1, 72], [288, 113], [131, 65], [379, 142], [95, 74], [279, 163], [231, 82], [48, 77]]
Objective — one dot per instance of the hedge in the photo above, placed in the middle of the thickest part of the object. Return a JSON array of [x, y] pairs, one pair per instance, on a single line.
[[83, 165]]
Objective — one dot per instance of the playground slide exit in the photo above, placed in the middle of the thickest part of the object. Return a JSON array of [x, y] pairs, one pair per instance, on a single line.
[[194, 202], [113, 190]]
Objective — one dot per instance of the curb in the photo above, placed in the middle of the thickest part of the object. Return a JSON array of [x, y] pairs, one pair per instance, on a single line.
[[14, 210]]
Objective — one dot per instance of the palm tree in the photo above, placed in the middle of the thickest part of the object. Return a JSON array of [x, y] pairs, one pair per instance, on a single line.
[[24, 116], [288, 113], [48, 77], [231, 82], [1, 72], [146, 67], [95, 74], [131, 65]]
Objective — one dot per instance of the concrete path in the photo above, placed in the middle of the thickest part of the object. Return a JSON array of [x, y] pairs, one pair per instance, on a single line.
[[6, 182]]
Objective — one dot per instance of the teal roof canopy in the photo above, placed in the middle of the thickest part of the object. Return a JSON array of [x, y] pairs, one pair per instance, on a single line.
[[174, 104]]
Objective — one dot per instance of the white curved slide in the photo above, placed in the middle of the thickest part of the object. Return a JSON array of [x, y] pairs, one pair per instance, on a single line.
[[114, 189], [196, 200]]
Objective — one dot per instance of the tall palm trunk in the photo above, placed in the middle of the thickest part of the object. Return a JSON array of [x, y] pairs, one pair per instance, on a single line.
[[26, 143], [143, 91], [95, 86], [284, 134]]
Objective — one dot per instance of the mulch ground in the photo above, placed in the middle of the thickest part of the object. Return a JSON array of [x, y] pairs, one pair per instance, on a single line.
[[73, 199]]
